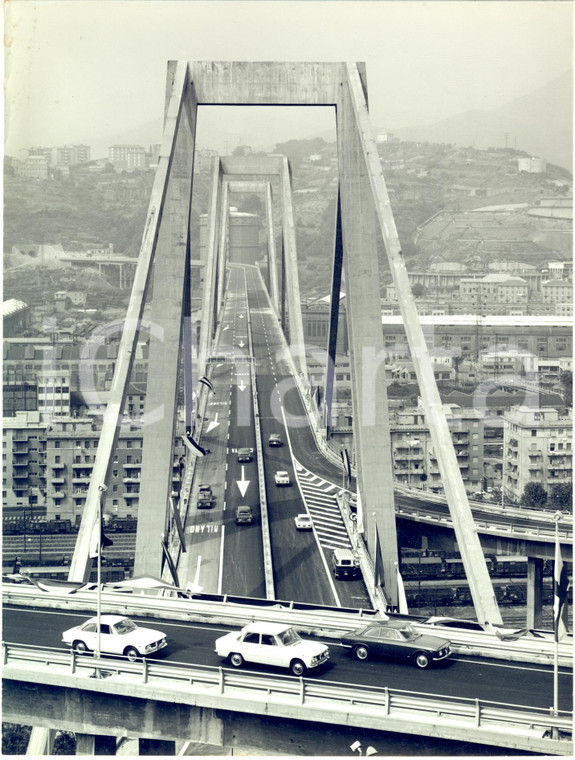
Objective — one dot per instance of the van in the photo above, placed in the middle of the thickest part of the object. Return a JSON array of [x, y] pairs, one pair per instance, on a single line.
[[244, 515], [345, 564]]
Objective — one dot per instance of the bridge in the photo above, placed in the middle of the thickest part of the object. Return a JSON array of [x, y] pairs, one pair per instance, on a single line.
[[244, 379]]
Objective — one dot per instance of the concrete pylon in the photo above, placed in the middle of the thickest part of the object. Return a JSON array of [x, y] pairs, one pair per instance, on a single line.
[[353, 104], [176, 113]]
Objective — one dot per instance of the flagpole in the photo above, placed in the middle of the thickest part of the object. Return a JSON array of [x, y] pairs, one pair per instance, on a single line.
[[101, 490]]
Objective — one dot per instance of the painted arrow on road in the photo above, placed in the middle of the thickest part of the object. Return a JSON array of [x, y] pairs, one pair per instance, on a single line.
[[241, 316], [243, 483], [241, 344], [241, 386], [213, 423], [227, 327]]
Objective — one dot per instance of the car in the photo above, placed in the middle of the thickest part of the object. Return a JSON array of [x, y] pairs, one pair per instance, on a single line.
[[463, 626], [245, 455], [345, 564], [271, 644], [397, 639], [274, 440], [204, 492], [118, 635], [303, 522], [282, 478], [244, 515], [205, 503]]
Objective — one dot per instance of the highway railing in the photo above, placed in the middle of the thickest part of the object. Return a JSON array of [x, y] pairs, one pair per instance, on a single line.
[[312, 619], [383, 708]]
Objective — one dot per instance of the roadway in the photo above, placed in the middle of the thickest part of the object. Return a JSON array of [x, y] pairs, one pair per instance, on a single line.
[[474, 678]]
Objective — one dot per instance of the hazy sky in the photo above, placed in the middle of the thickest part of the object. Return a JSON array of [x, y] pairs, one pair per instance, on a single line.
[[78, 70]]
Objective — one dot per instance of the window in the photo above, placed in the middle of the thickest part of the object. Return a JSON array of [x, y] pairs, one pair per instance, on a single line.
[[115, 489], [56, 444], [268, 640], [115, 473], [533, 433], [252, 638], [57, 459], [128, 444]]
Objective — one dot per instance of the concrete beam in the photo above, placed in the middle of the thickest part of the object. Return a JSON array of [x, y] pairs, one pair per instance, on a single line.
[[334, 315], [81, 562], [272, 257], [95, 744], [474, 562]]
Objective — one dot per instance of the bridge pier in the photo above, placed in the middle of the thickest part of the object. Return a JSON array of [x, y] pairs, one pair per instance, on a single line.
[[156, 747], [95, 744], [534, 592]]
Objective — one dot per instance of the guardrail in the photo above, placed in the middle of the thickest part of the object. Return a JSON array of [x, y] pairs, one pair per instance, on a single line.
[[382, 708], [266, 538], [311, 619]]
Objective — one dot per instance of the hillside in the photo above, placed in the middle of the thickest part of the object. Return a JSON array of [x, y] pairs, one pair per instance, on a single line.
[[540, 123]]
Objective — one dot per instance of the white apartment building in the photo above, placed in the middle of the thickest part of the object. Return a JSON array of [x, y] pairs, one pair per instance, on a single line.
[[557, 291], [537, 447]]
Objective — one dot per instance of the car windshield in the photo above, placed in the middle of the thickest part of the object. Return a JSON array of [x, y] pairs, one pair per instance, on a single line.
[[289, 637], [125, 626], [408, 633]]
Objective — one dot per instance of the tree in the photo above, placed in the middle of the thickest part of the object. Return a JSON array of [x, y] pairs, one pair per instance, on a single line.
[[562, 495], [534, 495], [567, 383], [418, 290]]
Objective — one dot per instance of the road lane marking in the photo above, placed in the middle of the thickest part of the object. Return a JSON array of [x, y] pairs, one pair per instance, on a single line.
[[221, 567]]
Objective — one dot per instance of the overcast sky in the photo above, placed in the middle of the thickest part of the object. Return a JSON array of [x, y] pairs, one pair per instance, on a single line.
[[78, 70]]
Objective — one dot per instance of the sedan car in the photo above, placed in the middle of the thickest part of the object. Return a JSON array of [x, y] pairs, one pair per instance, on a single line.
[[282, 478], [271, 644], [244, 515], [205, 502], [397, 639], [303, 522], [274, 440], [118, 635]]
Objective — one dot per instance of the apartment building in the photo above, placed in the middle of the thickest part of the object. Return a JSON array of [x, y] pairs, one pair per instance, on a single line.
[[414, 460], [48, 465], [128, 157], [537, 448]]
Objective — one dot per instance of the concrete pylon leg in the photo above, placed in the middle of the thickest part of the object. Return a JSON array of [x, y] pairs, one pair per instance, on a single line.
[[157, 747], [360, 135], [95, 744], [334, 317], [296, 334], [176, 93], [369, 391], [41, 741], [209, 300], [534, 592], [272, 262], [166, 333]]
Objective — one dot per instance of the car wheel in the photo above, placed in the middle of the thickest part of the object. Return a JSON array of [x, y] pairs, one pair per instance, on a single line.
[[80, 647], [297, 668], [132, 653], [422, 660], [361, 652], [236, 659]]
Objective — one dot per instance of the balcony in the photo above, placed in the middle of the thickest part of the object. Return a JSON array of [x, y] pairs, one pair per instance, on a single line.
[[131, 479], [57, 495], [129, 495], [58, 481], [81, 479], [20, 463], [513, 442], [19, 475], [128, 465], [20, 447], [58, 466]]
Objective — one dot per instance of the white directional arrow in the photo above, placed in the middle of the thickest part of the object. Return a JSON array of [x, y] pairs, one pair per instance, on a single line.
[[243, 483], [241, 386], [241, 344], [227, 327], [241, 316], [213, 423]]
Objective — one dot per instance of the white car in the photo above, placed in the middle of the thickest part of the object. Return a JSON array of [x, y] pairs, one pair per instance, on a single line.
[[271, 644], [119, 635], [303, 522], [282, 478]]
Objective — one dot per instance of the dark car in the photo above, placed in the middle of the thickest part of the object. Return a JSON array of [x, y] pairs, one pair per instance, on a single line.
[[205, 503], [397, 639]]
